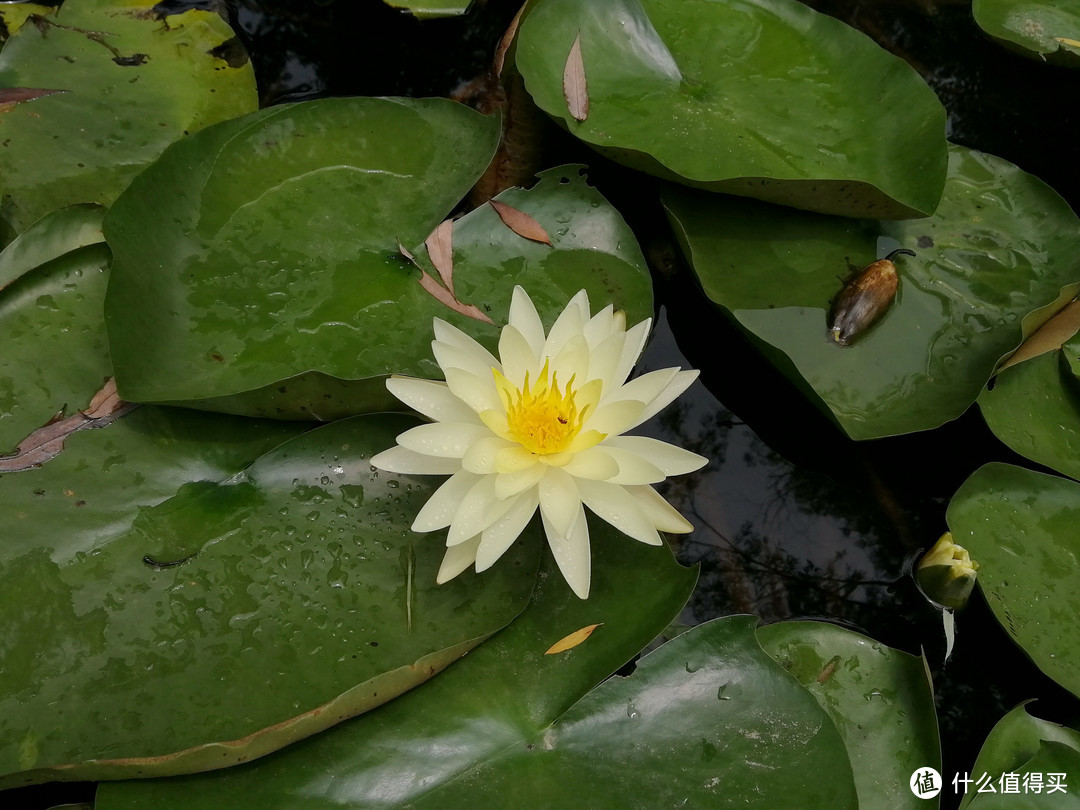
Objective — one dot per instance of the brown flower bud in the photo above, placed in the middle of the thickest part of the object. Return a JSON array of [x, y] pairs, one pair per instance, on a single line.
[[865, 299]]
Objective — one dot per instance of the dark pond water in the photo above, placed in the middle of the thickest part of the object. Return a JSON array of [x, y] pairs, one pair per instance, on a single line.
[[792, 519]]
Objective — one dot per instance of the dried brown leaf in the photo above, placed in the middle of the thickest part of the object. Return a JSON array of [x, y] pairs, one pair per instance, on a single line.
[[504, 43], [440, 247], [520, 223], [10, 96], [48, 440], [445, 297], [572, 640], [1047, 337], [574, 87], [405, 252]]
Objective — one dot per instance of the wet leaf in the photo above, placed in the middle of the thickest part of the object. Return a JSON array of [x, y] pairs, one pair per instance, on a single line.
[[1046, 30], [185, 299], [995, 262], [575, 88], [520, 223], [572, 640], [880, 700], [1013, 742], [447, 299], [47, 441], [112, 122], [440, 247], [1034, 407], [51, 236], [1021, 527], [431, 9], [762, 98], [1051, 758]]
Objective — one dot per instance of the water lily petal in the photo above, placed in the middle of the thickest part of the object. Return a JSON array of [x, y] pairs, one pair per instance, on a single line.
[[478, 510], [480, 457], [595, 463], [526, 320], [453, 357], [645, 388], [518, 356], [571, 552], [452, 336], [662, 514], [441, 507], [615, 505], [600, 326], [432, 398], [457, 559], [633, 469], [604, 361], [478, 393], [402, 460], [559, 499], [615, 418], [670, 459], [499, 536], [507, 484], [682, 381], [443, 439], [513, 459], [569, 323], [572, 361], [632, 349]]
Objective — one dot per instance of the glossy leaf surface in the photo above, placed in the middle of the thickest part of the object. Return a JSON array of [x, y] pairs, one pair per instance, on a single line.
[[708, 718], [1013, 742], [1043, 30], [49, 238], [1020, 526], [1054, 761], [767, 99], [1034, 407], [133, 83], [492, 703], [259, 609], [879, 698], [996, 260]]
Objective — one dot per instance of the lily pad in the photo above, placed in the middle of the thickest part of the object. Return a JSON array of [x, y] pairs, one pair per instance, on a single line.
[[1034, 407], [708, 719], [1020, 526], [208, 256], [1048, 30], [994, 262], [1013, 742], [767, 99], [258, 609], [1052, 764], [880, 699], [52, 236], [132, 81], [431, 9]]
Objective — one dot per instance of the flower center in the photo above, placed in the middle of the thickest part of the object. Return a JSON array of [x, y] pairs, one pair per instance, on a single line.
[[541, 417]]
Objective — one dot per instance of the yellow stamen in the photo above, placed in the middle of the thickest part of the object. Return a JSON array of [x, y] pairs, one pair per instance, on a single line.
[[541, 417]]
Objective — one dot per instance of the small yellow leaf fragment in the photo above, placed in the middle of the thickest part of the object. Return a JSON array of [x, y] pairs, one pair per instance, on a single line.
[[575, 89], [440, 246], [1072, 43], [520, 223], [572, 640]]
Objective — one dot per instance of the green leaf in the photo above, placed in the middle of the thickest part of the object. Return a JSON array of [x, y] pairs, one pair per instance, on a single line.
[[494, 701], [302, 598], [50, 237], [431, 9], [1021, 528], [1047, 31], [1014, 741], [133, 83], [763, 98], [1052, 758], [879, 698], [186, 298], [1001, 246], [1034, 407]]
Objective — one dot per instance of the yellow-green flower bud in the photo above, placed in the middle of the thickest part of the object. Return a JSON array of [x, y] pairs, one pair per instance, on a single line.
[[946, 573]]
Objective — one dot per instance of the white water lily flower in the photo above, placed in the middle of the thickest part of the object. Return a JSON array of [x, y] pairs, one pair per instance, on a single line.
[[541, 426]]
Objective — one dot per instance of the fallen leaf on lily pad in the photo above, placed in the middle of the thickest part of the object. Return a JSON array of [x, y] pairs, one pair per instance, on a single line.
[[572, 640], [440, 246], [520, 223], [1049, 336], [575, 88], [10, 96]]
